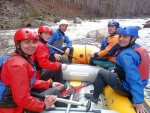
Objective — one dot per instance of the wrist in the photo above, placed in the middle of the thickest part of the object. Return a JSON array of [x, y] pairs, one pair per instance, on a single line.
[[54, 54], [138, 103], [96, 54], [44, 107], [60, 66], [51, 84], [69, 47]]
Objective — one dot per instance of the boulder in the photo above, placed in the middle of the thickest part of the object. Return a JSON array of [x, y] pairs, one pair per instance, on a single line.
[[138, 27], [147, 25], [148, 21], [98, 34], [77, 20]]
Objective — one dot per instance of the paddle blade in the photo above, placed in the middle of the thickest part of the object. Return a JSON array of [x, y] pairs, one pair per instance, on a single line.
[[75, 83]]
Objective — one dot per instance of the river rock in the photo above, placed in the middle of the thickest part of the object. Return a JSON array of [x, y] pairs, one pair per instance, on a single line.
[[77, 20], [98, 34], [147, 25]]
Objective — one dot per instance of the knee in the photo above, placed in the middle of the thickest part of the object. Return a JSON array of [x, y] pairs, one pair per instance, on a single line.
[[55, 90], [52, 91], [91, 61], [91, 58], [101, 73], [64, 60]]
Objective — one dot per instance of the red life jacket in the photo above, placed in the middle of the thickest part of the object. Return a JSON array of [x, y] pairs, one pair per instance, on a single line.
[[144, 64], [143, 67]]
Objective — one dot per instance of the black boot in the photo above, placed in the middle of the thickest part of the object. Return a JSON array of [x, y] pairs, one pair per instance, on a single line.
[[90, 96]]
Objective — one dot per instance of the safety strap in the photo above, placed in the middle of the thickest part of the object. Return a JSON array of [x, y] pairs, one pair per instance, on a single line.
[[33, 78]]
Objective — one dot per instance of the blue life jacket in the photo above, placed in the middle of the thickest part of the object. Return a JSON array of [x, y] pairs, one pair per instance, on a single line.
[[104, 43], [2, 86]]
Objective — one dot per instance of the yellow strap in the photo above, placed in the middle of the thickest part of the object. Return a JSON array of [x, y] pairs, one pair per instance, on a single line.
[[75, 83]]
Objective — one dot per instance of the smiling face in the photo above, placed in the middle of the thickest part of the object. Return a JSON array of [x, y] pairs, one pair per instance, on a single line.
[[63, 27], [124, 40], [28, 46], [112, 29], [46, 36]]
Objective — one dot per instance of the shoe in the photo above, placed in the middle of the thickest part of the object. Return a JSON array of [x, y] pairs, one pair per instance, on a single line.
[[64, 88], [90, 96]]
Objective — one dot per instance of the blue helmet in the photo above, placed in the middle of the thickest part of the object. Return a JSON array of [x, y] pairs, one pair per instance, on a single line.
[[114, 23], [128, 30]]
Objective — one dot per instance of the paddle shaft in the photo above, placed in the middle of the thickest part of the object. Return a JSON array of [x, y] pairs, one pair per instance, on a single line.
[[64, 52], [70, 102], [61, 100], [69, 105]]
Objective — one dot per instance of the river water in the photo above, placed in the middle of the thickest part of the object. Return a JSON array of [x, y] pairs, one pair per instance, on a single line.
[[77, 34]]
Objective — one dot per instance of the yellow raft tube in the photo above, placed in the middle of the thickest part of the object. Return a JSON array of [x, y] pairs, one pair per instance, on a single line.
[[80, 52]]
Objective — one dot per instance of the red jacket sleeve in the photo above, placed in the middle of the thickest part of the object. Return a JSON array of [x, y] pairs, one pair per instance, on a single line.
[[40, 84], [42, 56], [18, 76]]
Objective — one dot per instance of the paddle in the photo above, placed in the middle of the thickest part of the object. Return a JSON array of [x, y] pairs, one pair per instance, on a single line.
[[69, 105], [64, 52], [76, 89], [88, 105]]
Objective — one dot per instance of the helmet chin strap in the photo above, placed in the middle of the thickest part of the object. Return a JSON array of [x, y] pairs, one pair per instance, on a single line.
[[113, 34], [130, 43], [41, 39]]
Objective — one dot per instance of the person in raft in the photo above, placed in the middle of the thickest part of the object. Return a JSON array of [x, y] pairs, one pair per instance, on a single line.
[[45, 68], [131, 70], [18, 74], [57, 40], [106, 56]]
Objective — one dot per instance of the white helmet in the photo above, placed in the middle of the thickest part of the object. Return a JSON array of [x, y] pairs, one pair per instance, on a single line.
[[63, 22]]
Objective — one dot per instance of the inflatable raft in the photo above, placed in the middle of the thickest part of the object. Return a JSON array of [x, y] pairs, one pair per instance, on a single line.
[[80, 52], [110, 101]]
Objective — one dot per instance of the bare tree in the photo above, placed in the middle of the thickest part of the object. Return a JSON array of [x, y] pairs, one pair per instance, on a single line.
[[52, 3]]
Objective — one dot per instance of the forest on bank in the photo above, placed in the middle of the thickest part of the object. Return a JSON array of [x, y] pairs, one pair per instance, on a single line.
[[18, 13], [98, 8]]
